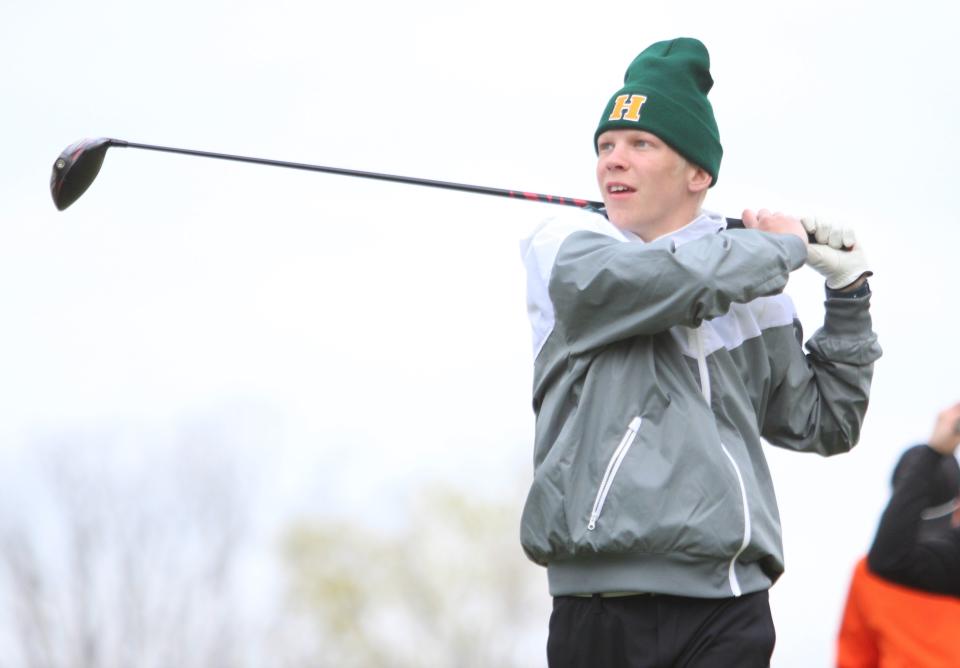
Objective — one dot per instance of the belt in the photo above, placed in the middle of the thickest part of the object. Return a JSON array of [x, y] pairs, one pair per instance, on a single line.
[[616, 594]]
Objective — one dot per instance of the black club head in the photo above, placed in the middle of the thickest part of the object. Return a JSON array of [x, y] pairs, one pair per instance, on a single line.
[[75, 169]]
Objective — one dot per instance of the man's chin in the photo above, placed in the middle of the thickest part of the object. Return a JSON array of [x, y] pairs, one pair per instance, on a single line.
[[617, 216], [623, 221]]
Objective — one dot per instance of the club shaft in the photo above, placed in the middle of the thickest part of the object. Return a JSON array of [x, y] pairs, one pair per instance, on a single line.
[[480, 190]]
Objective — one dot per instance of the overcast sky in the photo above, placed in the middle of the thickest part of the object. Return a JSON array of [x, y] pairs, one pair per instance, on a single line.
[[377, 332]]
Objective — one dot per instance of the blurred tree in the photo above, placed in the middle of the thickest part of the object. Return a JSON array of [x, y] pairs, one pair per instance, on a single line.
[[451, 589], [109, 566]]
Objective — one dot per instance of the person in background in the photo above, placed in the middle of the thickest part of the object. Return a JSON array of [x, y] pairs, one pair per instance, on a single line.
[[903, 606]]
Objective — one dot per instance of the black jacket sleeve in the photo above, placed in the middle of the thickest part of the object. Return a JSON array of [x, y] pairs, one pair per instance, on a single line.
[[901, 551]]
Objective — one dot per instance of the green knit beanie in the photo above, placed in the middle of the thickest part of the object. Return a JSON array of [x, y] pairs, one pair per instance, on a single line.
[[665, 92]]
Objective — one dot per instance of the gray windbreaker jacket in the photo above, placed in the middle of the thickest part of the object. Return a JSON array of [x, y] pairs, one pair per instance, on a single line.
[[658, 368]]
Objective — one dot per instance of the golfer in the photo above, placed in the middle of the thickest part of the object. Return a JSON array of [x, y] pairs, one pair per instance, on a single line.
[[664, 351]]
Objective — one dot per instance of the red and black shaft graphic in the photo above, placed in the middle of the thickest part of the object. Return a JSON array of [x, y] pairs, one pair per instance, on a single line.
[[557, 199]]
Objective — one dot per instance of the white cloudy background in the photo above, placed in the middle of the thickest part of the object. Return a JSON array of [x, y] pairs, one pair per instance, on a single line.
[[366, 337]]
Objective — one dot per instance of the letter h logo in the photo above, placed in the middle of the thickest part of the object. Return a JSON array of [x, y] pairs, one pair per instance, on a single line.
[[627, 108]]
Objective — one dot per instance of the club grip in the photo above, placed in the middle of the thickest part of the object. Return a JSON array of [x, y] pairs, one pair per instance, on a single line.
[[737, 224]]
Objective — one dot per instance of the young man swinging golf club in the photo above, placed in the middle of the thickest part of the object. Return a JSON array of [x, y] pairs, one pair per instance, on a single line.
[[664, 351]]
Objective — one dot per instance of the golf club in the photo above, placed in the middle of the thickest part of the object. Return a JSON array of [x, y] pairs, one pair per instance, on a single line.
[[78, 165]]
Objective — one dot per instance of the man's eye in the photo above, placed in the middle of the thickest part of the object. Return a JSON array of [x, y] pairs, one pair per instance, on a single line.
[[604, 146], [641, 143]]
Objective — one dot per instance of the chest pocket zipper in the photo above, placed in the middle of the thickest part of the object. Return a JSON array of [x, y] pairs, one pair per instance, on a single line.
[[612, 467]]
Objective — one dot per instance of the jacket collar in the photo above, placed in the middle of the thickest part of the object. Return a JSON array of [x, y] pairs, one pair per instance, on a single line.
[[707, 222]]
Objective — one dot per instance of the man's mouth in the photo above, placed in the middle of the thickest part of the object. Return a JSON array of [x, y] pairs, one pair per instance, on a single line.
[[616, 188]]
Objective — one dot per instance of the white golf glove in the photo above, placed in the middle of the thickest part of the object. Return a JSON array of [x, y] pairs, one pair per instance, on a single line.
[[836, 255]]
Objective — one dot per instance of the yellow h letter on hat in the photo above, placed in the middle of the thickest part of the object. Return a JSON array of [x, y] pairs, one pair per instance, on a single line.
[[627, 108]]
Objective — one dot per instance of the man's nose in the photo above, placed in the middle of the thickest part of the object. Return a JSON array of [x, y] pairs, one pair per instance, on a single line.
[[614, 159]]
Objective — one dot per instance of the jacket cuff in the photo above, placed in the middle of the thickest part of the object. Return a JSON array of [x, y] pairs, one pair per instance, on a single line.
[[859, 293], [847, 333]]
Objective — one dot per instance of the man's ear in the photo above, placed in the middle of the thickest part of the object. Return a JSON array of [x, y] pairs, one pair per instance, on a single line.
[[698, 179]]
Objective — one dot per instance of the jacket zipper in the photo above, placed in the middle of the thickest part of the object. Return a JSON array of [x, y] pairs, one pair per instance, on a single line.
[[734, 583], [696, 340], [612, 467]]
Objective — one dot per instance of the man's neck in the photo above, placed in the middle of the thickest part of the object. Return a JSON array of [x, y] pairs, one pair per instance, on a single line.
[[663, 227]]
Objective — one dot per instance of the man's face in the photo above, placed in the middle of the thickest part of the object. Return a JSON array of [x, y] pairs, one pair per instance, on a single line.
[[645, 184]]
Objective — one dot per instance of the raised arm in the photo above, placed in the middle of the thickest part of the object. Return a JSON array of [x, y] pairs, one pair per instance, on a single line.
[[818, 401], [900, 551], [604, 290]]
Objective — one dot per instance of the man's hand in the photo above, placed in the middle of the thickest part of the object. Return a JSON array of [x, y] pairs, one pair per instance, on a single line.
[[778, 223], [946, 431], [836, 255]]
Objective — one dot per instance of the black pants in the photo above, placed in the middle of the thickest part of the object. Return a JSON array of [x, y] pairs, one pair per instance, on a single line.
[[661, 632]]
